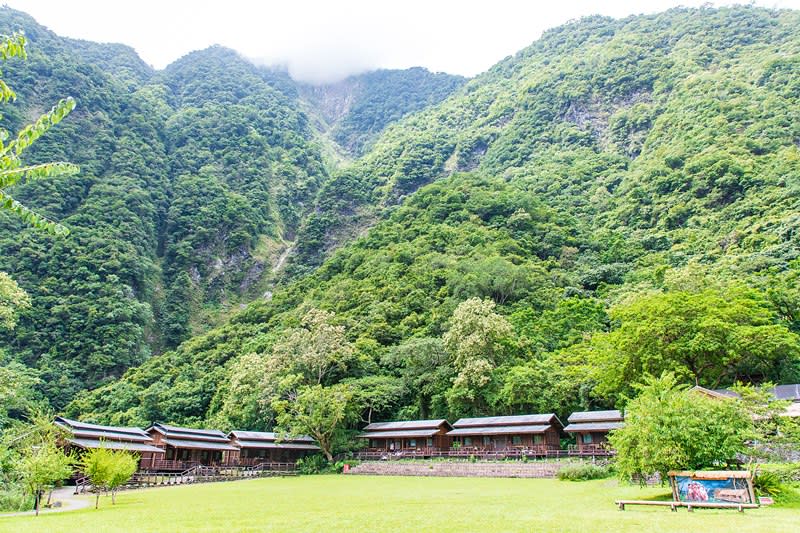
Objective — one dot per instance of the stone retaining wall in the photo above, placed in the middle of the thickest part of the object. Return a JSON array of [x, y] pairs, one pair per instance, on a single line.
[[457, 469]]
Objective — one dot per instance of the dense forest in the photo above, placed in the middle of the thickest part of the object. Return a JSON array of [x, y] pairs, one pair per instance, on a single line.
[[619, 199], [194, 181]]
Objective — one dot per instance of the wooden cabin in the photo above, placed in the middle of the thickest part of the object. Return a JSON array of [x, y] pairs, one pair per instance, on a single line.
[[188, 447], [80, 436], [591, 431], [407, 436], [255, 447], [535, 434]]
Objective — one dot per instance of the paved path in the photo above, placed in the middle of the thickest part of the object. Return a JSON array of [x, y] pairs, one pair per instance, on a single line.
[[69, 502]]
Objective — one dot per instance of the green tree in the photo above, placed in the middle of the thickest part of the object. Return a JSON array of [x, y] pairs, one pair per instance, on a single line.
[[12, 300], [42, 467], [12, 170], [711, 338], [477, 340], [124, 465], [669, 427], [321, 412], [316, 349], [108, 469]]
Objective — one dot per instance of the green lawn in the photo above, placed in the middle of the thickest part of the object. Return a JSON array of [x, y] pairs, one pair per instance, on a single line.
[[354, 503]]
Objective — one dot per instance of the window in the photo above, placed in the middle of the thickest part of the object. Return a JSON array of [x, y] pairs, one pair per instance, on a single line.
[[373, 443], [487, 441], [587, 438], [516, 440], [430, 442], [412, 443], [537, 439], [467, 441]]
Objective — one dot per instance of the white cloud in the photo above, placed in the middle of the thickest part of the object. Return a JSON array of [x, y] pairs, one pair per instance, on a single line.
[[327, 40]]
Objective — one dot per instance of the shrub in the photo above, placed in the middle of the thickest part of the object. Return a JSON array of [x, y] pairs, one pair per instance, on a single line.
[[768, 484], [786, 472], [584, 472], [15, 499], [313, 464]]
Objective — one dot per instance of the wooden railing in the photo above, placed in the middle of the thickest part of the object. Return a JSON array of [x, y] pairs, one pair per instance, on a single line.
[[594, 449], [464, 452]]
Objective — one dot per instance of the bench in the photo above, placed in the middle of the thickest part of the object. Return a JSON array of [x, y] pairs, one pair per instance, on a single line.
[[689, 505], [623, 503]]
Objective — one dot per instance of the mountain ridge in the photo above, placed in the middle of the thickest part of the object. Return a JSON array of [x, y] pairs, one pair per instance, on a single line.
[[612, 163]]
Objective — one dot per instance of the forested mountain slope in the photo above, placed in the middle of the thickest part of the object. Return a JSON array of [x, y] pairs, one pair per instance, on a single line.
[[624, 191], [193, 181], [354, 111]]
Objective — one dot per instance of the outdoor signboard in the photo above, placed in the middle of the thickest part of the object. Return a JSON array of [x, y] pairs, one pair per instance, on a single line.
[[722, 486]]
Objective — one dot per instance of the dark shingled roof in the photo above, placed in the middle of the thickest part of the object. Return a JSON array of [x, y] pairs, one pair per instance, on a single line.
[[499, 430], [115, 445], [407, 424], [595, 416], [781, 392], [266, 436], [261, 444], [268, 440], [399, 434], [537, 419], [174, 432], [95, 431], [592, 427], [199, 445], [787, 392]]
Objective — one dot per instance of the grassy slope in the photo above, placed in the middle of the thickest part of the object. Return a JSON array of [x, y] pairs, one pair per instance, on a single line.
[[337, 503]]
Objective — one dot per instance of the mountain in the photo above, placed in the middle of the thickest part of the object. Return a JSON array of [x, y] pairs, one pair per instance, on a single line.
[[354, 112], [618, 189], [194, 182]]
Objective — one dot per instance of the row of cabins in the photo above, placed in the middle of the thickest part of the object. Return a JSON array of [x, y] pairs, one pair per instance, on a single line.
[[520, 435], [165, 448]]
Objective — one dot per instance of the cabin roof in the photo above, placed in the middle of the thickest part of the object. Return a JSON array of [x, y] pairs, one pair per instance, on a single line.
[[266, 436], [715, 393], [595, 416], [114, 445], [261, 444], [787, 392], [213, 435], [499, 430], [96, 431], [593, 426], [399, 434], [522, 420], [199, 444], [408, 424]]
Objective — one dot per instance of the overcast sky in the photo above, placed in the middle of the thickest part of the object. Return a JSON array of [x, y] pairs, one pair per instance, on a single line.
[[327, 40]]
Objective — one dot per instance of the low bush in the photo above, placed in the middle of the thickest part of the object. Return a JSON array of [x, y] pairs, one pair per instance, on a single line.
[[786, 472], [768, 484], [12, 499], [584, 472], [313, 464]]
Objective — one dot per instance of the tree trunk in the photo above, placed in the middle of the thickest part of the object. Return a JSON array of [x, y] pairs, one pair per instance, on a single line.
[[328, 454], [97, 499], [113, 496], [49, 497], [37, 501]]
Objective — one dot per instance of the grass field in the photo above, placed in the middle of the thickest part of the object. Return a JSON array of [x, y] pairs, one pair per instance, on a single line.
[[353, 503]]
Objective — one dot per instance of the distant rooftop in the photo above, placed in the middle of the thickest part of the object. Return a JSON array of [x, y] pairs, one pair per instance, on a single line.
[[95, 431], [595, 416], [514, 420], [175, 432], [407, 424], [266, 436]]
